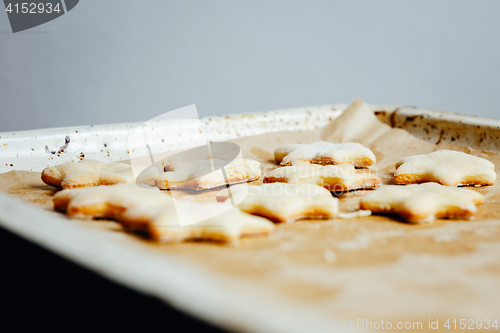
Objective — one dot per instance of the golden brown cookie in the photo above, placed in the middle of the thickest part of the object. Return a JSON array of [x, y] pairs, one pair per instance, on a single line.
[[155, 214], [110, 201], [325, 153], [87, 173], [281, 202], [336, 178], [447, 167], [424, 202], [193, 175]]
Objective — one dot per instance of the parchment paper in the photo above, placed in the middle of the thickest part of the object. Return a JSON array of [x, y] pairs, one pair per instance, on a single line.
[[375, 268]]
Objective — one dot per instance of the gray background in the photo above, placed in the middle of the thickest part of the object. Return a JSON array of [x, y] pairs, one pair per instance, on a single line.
[[111, 61]]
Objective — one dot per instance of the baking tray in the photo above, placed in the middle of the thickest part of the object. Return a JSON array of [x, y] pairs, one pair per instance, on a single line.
[[224, 300]]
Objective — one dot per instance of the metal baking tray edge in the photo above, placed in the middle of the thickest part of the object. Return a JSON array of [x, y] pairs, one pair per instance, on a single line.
[[188, 287]]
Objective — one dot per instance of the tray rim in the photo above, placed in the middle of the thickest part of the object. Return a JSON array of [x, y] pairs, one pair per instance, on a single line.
[[16, 213]]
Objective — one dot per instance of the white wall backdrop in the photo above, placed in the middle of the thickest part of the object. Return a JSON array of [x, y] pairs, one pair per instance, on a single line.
[[112, 61]]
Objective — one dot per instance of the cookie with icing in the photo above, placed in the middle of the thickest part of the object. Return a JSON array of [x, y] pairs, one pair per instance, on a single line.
[[325, 153], [154, 213], [421, 203], [446, 167], [336, 178], [207, 174], [87, 173], [280, 202]]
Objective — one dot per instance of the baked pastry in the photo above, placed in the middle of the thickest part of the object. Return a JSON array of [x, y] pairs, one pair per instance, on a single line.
[[325, 153], [155, 214], [87, 173], [336, 178], [447, 167], [207, 174], [424, 202], [281, 202]]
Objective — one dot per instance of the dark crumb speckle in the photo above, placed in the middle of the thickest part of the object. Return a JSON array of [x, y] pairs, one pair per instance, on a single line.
[[48, 151], [441, 137], [67, 139]]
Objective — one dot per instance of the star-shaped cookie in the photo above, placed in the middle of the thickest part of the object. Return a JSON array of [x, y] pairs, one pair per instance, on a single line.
[[324, 153], [114, 201], [154, 213], [281, 202], [229, 226], [207, 174], [424, 202], [87, 173], [336, 178], [447, 167]]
